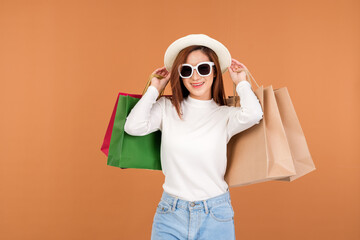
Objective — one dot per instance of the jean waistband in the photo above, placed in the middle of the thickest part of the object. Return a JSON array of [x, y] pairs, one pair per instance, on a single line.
[[176, 202]]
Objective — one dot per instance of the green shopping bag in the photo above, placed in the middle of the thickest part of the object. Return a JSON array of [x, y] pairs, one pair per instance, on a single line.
[[127, 151]]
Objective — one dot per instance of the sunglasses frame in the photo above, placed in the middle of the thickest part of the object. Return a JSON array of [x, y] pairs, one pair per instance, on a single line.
[[196, 68]]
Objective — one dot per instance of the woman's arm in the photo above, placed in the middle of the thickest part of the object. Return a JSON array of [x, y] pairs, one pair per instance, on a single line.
[[146, 115], [249, 114]]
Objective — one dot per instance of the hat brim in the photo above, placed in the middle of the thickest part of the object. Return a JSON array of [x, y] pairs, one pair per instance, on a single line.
[[197, 39]]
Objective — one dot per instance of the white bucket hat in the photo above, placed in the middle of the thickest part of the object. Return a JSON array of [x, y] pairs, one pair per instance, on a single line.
[[197, 39]]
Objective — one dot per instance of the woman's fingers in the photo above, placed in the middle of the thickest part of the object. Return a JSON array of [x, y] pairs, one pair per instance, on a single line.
[[236, 63], [236, 66], [162, 73], [159, 71], [163, 70]]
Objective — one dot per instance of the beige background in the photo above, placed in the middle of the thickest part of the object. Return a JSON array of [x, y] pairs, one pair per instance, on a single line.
[[62, 64]]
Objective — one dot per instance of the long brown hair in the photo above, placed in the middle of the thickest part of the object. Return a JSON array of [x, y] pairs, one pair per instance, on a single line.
[[179, 91]]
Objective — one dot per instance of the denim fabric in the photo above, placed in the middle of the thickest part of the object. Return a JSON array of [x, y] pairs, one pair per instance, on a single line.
[[198, 220]]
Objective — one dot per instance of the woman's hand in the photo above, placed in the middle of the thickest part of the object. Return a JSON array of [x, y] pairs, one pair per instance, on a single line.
[[236, 71], [161, 81]]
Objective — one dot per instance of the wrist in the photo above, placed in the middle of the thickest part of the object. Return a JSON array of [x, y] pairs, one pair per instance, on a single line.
[[157, 88], [154, 91], [239, 81]]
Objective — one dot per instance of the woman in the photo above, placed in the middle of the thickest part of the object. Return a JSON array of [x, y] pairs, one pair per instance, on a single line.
[[196, 125]]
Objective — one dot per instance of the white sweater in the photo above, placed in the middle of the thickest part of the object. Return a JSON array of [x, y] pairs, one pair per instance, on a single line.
[[193, 151]]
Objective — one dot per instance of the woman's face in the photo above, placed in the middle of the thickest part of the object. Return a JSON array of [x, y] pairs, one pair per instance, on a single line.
[[202, 92]]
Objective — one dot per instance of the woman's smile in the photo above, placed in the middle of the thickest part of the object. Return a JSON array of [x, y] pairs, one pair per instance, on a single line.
[[197, 85]]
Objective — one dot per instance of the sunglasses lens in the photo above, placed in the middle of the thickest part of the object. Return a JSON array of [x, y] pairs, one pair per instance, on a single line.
[[185, 71], [204, 69]]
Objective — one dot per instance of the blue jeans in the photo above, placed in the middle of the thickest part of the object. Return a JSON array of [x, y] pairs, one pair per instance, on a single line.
[[199, 220]]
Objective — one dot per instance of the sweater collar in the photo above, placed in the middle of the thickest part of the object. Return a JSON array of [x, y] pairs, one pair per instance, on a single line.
[[200, 103]]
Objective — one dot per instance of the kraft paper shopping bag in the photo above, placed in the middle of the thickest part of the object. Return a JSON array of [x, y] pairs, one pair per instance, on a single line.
[[299, 149], [260, 153]]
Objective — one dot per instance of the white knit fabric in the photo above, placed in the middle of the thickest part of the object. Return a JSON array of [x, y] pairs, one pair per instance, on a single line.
[[193, 151]]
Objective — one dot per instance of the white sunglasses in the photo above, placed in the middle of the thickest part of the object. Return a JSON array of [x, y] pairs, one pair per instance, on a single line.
[[203, 68]]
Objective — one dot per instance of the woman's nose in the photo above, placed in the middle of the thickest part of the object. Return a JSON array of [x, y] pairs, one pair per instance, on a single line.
[[195, 75]]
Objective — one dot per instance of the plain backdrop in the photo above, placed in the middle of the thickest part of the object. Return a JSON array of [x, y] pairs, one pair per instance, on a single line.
[[62, 64]]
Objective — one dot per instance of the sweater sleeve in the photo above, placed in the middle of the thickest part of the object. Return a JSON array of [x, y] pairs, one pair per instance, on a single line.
[[248, 114], [146, 116]]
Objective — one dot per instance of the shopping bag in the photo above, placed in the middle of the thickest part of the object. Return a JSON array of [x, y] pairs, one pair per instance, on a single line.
[[106, 143], [127, 151], [299, 149], [260, 153]]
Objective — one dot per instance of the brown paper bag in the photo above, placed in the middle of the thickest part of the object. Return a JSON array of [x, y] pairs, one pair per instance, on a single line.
[[299, 149], [261, 152]]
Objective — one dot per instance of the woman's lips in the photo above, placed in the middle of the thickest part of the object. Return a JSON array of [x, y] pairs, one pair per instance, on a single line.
[[198, 85]]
